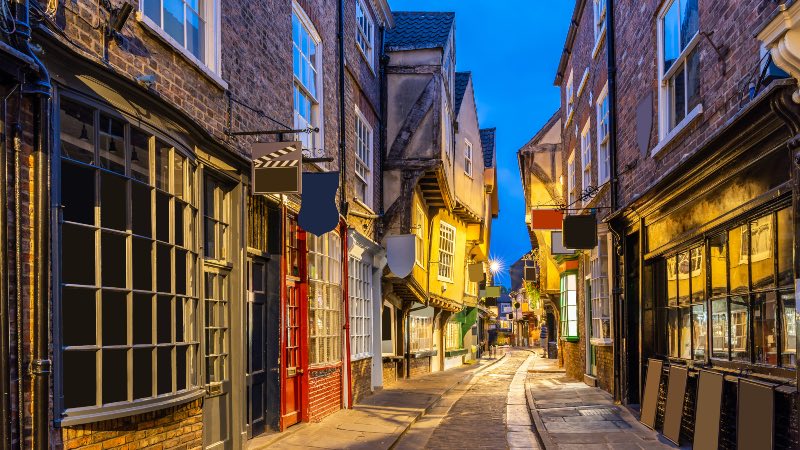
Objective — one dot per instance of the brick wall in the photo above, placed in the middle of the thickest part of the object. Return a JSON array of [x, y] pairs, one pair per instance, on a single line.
[[361, 378], [390, 373], [721, 87], [324, 392], [574, 365], [179, 427], [420, 366], [605, 368]]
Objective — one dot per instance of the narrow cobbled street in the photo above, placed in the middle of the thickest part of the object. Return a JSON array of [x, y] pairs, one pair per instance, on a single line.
[[479, 412]]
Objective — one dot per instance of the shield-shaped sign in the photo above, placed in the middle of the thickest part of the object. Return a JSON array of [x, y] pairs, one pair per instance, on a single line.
[[400, 254], [277, 167], [318, 213]]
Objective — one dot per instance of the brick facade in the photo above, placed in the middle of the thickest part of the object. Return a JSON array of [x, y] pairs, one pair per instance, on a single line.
[[361, 378], [324, 392], [420, 366], [390, 373]]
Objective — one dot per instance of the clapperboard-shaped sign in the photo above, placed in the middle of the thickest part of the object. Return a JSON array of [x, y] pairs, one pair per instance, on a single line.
[[277, 168]]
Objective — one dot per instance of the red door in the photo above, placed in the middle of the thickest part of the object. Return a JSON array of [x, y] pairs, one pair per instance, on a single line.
[[294, 329]]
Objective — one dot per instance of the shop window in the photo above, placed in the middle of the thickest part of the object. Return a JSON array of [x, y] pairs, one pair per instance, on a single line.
[[360, 289], [421, 333], [217, 297], [217, 219], [115, 278], [324, 298], [453, 339], [600, 304], [569, 306]]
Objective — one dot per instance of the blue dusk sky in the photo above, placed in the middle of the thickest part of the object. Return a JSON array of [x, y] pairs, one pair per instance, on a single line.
[[512, 48]]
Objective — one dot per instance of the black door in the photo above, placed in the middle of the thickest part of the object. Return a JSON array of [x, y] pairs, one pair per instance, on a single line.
[[631, 322], [257, 364]]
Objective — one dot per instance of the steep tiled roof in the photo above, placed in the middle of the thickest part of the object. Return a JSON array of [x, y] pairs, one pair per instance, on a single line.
[[416, 30], [488, 146], [461, 82]]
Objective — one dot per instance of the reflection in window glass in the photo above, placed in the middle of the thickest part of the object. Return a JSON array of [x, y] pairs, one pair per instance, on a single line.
[[719, 273], [762, 264], [699, 327], [672, 281], [77, 131], [789, 325], [697, 274], [785, 234], [112, 144], [140, 155], [686, 333], [737, 263], [719, 328], [672, 331], [764, 337], [739, 326], [683, 278]]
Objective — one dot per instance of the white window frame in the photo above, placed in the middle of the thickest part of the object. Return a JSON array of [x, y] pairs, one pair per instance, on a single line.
[[363, 149], [453, 339], [600, 301], [419, 236], [421, 333], [584, 81], [360, 290], [571, 181], [665, 133], [325, 275], [210, 13], [365, 33], [447, 251], [569, 98], [311, 140], [599, 23], [447, 130], [468, 158], [603, 138], [586, 155]]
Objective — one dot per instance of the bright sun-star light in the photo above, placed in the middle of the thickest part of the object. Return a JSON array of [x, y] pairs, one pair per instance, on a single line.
[[495, 266]]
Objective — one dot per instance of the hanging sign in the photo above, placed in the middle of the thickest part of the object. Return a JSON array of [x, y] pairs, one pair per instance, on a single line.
[[400, 254], [277, 167], [580, 231], [493, 291], [546, 219], [557, 244], [476, 272], [318, 213]]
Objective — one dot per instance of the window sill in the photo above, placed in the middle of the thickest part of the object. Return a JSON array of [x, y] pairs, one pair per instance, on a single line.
[[366, 58], [360, 357], [423, 353], [573, 339], [159, 33], [93, 415], [456, 352], [675, 132], [445, 280], [599, 44], [601, 342]]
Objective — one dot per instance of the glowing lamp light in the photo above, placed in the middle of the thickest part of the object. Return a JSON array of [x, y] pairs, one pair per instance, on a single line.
[[495, 266]]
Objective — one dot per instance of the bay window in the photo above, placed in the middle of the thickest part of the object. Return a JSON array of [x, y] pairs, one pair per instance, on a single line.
[[307, 94], [128, 265], [324, 298], [569, 306], [360, 289], [600, 304], [678, 63]]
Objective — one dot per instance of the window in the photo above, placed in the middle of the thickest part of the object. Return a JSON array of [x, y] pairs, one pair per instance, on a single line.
[[447, 130], [750, 291], [678, 63], [419, 236], [128, 296], [453, 338], [307, 62], [360, 289], [188, 24], [421, 334], [365, 32], [603, 160], [601, 308], [468, 158], [599, 19], [387, 329], [582, 84], [470, 287], [569, 306], [586, 156], [217, 219], [324, 298], [572, 188], [447, 246], [569, 99], [363, 159]]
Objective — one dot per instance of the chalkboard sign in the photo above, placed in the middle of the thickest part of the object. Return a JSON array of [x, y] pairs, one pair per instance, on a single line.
[[756, 415], [676, 392], [708, 412], [650, 401]]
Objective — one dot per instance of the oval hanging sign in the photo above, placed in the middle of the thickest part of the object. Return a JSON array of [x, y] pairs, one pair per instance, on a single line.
[[400, 254]]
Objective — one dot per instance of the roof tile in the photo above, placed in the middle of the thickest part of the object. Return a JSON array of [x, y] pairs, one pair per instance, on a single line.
[[418, 30]]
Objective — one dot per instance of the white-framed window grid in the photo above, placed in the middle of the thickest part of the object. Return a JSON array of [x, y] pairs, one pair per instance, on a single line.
[[447, 130], [583, 83], [603, 138], [599, 19], [128, 198], [360, 289], [470, 287], [586, 155], [447, 246], [453, 340], [421, 333], [307, 64], [600, 304], [468, 157], [324, 298], [678, 64], [571, 180], [192, 26], [365, 32], [569, 98], [569, 306], [419, 236], [364, 142]]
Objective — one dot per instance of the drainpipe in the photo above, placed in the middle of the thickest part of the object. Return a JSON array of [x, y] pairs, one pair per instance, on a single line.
[[36, 84], [616, 255], [383, 61]]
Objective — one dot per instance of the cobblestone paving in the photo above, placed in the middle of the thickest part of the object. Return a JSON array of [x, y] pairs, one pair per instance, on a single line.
[[477, 419]]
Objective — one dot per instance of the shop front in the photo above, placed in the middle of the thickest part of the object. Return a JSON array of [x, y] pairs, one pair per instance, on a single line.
[[709, 272]]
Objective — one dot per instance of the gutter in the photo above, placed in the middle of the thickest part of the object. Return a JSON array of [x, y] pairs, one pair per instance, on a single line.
[[573, 31]]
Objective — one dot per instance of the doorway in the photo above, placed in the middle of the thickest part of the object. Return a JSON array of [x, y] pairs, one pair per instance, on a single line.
[[294, 330]]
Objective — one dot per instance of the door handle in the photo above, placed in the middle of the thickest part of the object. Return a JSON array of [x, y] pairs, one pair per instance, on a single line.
[[301, 371]]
